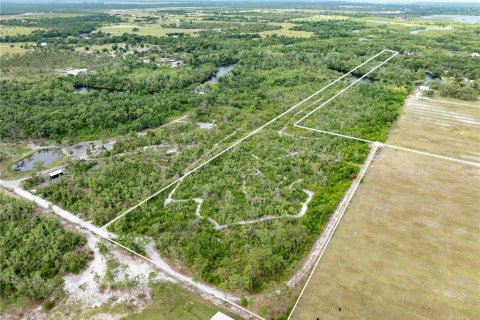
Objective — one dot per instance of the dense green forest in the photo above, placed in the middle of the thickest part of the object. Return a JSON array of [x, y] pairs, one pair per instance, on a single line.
[[130, 95], [35, 251]]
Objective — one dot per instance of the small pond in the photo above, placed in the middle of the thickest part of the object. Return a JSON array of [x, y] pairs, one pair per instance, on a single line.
[[221, 71], [82, 89], [430, 29], [44, 156], [364, 80], [356, 78], [456, 18], [429, 77]]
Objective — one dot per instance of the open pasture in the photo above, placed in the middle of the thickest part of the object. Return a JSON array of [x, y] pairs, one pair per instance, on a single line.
[[151, 30], [414, 216], [12, 48], [285, 31], [406, 246], [440, 127], [13, 31]]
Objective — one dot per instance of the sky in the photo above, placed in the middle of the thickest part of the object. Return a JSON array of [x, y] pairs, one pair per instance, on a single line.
[[300, 1], [416, 1], [364, 1]]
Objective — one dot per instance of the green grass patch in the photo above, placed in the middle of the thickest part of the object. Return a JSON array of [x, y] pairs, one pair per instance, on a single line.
[[151, 30], [285, 31], [14, 48], [174, 303], [13, 31]]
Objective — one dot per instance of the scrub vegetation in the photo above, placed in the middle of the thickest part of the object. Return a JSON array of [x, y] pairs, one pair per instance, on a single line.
[[35, 252]]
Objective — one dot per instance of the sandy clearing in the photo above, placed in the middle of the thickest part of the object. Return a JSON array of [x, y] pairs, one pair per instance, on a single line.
[[87, 149], [85, 288]]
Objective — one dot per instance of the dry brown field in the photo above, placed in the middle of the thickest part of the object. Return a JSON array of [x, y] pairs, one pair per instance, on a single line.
[[443, 128], [408, 246]]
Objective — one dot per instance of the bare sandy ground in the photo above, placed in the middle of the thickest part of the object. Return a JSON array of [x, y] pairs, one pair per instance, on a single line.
[[407, 247], [85, 291]]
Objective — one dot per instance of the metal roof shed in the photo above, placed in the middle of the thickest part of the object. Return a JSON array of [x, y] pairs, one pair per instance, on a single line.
[[55, 174]]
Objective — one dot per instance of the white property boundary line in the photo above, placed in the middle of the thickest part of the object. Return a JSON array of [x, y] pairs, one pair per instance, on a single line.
[[342, 207], [345, 89], [102, 232], [350, 194], [425, 153], [297, 125], [254, 132]]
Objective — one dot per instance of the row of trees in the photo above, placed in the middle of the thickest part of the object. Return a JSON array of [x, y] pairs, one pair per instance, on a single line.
[[458, 88]]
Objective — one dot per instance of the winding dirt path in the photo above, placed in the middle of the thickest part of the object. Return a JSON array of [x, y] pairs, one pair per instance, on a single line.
[[219, 226]]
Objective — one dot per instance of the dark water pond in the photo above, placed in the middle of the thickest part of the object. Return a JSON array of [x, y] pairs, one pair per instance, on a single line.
[[44, 156], [430, 77], [82, 89], [364, 80], [221, 71], [456, 18], [356, 78]]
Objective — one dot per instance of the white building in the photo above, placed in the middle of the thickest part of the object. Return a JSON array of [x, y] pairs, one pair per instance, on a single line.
[[221, 316], [55, 174]]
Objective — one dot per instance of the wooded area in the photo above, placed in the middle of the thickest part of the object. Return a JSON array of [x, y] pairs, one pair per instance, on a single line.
[[35, 252]]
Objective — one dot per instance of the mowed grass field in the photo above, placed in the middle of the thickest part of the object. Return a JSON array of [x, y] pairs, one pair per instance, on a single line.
[[152, 30], [13, 48], [8, 49], [174, 303], [407, 247], [285, 31], [440, 127], [13, 31]]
